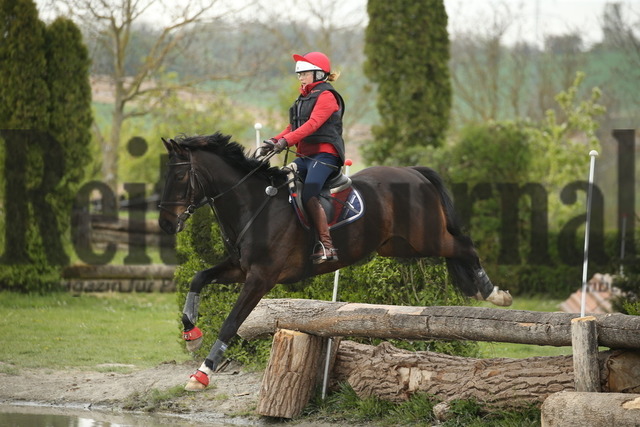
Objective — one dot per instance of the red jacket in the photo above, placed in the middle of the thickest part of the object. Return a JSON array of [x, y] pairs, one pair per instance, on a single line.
[[325, 106]]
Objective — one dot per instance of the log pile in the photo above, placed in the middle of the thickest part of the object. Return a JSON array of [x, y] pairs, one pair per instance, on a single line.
[[395, 375]]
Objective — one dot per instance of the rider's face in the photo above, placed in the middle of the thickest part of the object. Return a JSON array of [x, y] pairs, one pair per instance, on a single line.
[[305, 77]]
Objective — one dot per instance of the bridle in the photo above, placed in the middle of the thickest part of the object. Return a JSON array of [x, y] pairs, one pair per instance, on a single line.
[[192, 206], [195, 183]]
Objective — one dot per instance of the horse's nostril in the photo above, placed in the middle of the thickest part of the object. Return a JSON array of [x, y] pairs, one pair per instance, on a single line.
[[167, 226]]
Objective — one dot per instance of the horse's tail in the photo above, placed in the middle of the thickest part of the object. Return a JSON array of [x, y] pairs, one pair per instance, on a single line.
[[453, 226], [461, 269]]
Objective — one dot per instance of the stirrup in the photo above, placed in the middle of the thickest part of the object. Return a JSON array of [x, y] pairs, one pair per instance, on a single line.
[[328, 254]]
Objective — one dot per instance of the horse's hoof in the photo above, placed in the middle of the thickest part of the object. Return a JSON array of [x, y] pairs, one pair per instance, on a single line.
[[193, 339], [194, 385], [193, 345], [197, 382], [500, 298]]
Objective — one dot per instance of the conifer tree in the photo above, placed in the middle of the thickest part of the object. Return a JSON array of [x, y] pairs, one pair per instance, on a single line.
[[407, 50], [23, 88], [45, 115], [70, 114]]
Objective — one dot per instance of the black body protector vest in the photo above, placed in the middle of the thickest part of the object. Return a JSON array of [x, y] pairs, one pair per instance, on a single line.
[[331, 130]]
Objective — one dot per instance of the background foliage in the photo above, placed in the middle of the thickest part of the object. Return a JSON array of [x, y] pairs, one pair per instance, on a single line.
[[407, 51], [44, 85]]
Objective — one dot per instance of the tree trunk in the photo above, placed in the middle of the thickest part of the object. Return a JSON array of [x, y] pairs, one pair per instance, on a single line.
[[589, 409], [395, 375], [329, 319], [291, 375]]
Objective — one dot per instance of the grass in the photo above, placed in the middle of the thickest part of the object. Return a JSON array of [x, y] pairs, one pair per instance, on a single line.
[[345, 407], [64, 331]]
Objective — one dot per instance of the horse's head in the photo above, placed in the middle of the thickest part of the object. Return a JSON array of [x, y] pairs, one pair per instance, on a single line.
[[181, 190]]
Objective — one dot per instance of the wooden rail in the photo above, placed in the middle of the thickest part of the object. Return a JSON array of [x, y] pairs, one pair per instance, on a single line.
[[331, 319]]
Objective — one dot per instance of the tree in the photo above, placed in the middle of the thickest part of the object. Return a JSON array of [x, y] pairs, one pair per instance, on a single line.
[[23, 91], [138, 90], [45, 120], [70, 116], [23, 112], [407, 49]]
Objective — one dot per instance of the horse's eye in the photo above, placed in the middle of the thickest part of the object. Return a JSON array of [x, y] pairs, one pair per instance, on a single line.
[[180, 175]]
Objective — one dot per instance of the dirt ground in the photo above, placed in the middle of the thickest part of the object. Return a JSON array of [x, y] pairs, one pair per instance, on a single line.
[[229, 400]]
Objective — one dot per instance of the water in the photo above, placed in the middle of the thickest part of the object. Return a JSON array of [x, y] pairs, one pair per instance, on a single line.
[[34, 415]]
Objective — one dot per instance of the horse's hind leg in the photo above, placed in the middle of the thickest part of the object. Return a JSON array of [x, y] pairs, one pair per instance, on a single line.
[[224, 272], [469, 276]]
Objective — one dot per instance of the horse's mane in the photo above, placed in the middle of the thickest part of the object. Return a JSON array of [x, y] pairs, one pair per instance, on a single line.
[[231, 151]]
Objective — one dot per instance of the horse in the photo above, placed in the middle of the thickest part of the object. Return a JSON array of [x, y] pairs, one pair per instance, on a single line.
[[408, 214]]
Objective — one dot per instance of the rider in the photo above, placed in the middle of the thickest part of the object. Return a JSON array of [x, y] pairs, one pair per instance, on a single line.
[[315, 127]]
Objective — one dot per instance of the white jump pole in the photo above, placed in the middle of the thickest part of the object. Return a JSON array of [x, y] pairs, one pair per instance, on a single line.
[[257, 127], [593, 154], [334, 298], [623, 234]]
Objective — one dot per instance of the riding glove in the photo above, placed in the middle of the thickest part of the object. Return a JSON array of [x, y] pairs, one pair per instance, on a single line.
[[267, 146], [280, 145]]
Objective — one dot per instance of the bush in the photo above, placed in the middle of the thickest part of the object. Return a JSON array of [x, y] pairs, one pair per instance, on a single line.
[[629, 284]]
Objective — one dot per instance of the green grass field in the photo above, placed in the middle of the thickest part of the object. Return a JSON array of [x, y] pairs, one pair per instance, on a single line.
[[60, 330]]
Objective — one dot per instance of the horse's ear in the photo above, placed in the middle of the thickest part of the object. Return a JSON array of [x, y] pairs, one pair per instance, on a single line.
[[166, 144]]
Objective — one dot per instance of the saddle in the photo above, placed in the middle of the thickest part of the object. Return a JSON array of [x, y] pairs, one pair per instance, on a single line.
[[341, 202]]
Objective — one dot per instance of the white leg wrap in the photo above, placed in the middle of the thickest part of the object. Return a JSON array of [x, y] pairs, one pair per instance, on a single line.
[[205, 369]]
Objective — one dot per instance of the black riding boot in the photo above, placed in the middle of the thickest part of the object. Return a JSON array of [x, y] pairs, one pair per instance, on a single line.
[[325, 250]]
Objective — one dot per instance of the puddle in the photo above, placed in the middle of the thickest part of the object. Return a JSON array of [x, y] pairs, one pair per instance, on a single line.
[[37, 415]]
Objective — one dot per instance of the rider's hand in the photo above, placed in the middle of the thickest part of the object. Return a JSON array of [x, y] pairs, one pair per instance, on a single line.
[[267, 146], [280, 145]]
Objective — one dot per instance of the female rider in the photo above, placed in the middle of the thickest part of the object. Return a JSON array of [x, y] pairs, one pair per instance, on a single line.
[[315, 128]]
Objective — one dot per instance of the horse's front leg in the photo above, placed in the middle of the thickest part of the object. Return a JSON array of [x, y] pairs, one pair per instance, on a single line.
[[255, 287], [225, 272]]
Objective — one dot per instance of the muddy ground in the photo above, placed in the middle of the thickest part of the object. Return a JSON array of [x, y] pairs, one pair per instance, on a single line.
[[120, 389]]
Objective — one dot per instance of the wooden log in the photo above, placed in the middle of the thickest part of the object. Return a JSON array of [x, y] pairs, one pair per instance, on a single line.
[[109, 271], [291, 375], [124, 224], [395, 375], [329, 319], [586, 409], [584, 341]]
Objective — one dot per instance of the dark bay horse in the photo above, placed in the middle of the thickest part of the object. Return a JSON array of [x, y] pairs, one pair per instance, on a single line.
[[408, 214]]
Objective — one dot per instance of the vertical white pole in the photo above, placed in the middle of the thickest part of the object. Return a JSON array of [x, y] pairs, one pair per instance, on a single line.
[[622, 243], [334, 298], [257, 127], [593, 154]]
